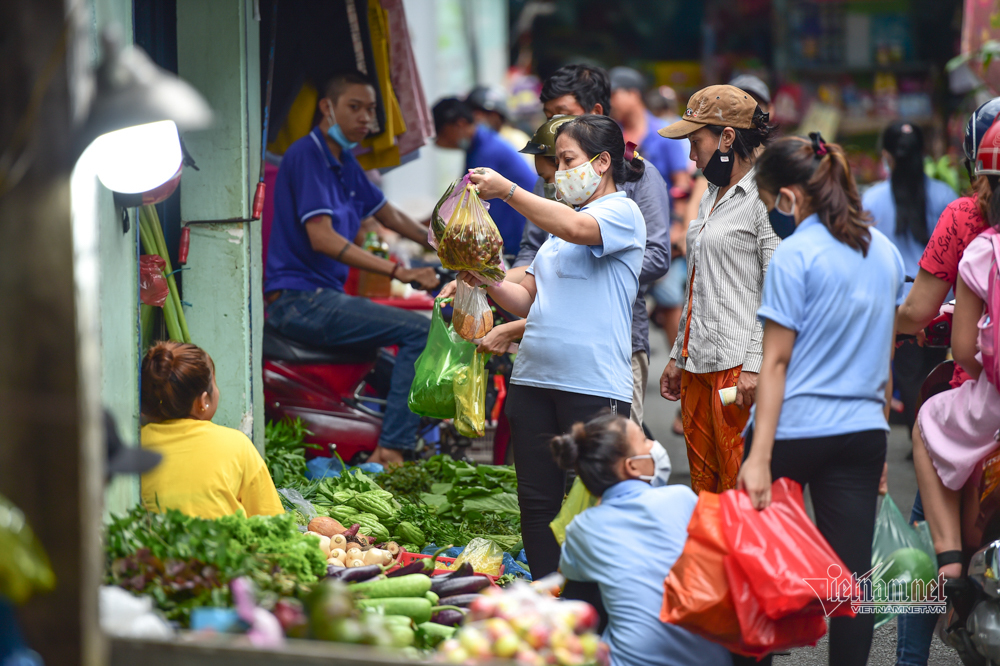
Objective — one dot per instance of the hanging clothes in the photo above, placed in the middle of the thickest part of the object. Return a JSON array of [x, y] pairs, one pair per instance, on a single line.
[[406, 81], [381, 150], [299, 120]]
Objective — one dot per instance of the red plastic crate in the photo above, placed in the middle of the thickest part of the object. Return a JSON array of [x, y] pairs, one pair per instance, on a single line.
[[407, 557]]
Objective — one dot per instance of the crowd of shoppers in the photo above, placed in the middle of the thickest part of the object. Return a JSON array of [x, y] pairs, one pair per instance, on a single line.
[[790, 290]]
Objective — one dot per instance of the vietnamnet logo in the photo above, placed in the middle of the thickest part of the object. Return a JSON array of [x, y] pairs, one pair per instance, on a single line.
[[875, 593]]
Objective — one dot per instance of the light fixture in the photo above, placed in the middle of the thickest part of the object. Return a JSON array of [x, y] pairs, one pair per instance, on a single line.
[[134, 120]]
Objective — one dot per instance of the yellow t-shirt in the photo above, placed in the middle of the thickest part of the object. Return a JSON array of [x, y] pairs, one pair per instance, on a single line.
[[207, 471]]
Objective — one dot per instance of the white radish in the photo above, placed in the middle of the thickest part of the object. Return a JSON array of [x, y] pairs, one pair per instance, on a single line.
[[339, 541], [373, 556], [337, 553], [355, 563]]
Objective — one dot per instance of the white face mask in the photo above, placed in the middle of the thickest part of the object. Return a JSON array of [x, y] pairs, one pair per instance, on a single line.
[[661, 460], [577, 185]]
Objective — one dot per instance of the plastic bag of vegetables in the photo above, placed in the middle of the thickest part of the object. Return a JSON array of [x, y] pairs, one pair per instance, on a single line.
[[473, 318], [470, 241], [432, 392], [484, 556], [470, 397]]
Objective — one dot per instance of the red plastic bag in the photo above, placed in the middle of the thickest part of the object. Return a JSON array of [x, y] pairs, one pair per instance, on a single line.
[[699, 596], [787, 562], [153, 286]]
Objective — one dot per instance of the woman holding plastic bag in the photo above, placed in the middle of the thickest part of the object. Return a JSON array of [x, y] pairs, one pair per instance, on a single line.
[[575, 358], [828, 310]]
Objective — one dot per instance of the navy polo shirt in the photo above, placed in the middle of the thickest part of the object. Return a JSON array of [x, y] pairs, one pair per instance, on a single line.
[[488, 149], [311, 182]]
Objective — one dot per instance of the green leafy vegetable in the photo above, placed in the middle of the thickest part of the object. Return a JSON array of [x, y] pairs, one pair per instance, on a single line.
[[285, 452]]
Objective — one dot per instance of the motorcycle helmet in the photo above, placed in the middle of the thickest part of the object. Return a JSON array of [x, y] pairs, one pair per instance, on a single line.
[[975, 129], [987, 162], [544, 141], [489, 98]]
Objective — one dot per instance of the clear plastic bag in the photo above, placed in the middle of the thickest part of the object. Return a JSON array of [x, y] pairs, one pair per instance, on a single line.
[[484, 556], [901, 554], [470, 397], [470, 241], [432, 392], [577, 501], [472, 317]]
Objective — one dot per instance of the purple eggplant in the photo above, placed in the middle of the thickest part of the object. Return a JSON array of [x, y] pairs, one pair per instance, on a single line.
[[448, 617], [333, 568], [356, 574], [414, 567], [460, 600], [464, 585]]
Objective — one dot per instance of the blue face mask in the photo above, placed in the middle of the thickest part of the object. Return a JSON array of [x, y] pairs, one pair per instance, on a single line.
[[782, 223], [337, 135]]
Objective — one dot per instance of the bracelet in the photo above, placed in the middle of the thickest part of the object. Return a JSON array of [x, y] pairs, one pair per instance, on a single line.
[[511, 193], [392, 274], [343, 251]]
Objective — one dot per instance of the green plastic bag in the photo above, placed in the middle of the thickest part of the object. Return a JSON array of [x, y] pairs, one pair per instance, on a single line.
[[24, 566], [470, 397], [577, 501], [901, 554], [432, 393]]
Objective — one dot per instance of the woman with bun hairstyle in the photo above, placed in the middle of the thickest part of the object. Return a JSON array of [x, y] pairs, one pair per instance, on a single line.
[[575, 358], [613, 459], [828, 309], [207, 471]]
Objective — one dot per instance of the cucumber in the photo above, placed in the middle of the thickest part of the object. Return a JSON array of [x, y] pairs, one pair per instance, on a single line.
[[413, 585], [401, 636], [417, 609], [434, 634], [431, 597]]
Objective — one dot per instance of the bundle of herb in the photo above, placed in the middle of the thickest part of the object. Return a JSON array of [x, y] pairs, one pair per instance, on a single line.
[[285, 452]]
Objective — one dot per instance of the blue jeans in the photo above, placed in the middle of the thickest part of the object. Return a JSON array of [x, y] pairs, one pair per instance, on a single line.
[[328, 318], [914, 631]]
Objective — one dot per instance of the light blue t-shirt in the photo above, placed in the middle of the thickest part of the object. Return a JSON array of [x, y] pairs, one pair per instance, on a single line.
[[842, 306], [878, 201], [653, 523], [578, 334]]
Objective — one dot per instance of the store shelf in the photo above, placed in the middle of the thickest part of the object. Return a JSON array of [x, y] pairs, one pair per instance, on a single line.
[[855, 126]]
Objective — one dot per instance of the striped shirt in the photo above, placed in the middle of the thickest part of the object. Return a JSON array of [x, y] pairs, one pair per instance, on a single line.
[[728, 251]]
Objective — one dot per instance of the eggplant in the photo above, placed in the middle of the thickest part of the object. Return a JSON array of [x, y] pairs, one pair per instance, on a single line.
[[464, 585], [356, 574], [448, 617], [460, 600], [333, 568], [414, 567]]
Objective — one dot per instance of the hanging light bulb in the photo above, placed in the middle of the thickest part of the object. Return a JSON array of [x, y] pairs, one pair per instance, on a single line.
[[139, 158]]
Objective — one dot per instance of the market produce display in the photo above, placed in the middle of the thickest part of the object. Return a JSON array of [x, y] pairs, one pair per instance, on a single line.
[[184, 562], [527, 625]]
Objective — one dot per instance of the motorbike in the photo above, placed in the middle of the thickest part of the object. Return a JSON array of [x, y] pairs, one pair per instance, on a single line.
[[340, 394], [971, 624]]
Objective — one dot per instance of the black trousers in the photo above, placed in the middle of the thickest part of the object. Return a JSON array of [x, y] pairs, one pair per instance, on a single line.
[[537, 415], [842, 472], [910, 367]]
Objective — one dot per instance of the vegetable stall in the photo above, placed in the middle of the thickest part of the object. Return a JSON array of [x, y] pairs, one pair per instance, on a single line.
[[358, 558]]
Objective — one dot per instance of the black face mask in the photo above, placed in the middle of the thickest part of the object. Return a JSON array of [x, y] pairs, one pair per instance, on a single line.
[[720, 168]]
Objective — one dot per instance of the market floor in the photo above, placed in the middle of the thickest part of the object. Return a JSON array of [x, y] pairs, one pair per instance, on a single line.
[[659, 415]]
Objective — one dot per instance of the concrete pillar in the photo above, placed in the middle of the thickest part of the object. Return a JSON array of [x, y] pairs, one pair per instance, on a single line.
[[217, 52]]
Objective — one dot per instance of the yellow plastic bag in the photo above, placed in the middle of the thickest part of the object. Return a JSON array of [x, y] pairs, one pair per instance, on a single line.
[[578, 501], [484, 556], [24, 566], [470, 397]]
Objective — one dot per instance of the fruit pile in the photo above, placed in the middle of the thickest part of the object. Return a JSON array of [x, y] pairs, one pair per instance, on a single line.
[[532, 628]]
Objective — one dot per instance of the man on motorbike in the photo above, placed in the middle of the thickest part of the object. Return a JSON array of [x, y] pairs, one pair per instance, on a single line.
[[321, 197]]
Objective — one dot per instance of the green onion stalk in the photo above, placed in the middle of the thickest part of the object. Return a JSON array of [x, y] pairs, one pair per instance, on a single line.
[[151, 234]]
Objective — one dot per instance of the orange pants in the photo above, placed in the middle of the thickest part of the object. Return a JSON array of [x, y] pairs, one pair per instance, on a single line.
[[713, 433]]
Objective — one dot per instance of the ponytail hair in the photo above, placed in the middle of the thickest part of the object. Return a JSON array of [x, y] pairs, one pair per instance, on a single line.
[[594, 450], [821, 169], [905, 142], [600, 134], [988, 198], [174, 375]]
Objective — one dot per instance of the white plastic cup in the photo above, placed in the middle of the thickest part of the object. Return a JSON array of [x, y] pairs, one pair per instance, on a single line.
[[727, 396]]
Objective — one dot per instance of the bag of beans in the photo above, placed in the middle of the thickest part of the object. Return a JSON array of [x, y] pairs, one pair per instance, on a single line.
[[470, 241]]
